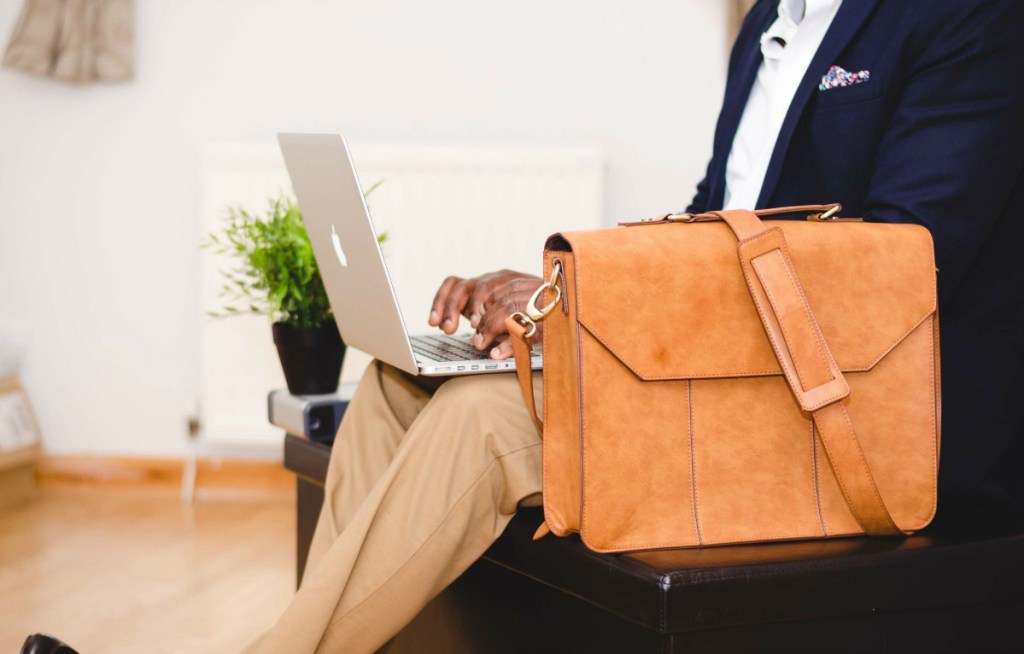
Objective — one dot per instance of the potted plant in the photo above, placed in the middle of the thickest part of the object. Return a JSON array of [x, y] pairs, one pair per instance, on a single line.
[[277, 275]]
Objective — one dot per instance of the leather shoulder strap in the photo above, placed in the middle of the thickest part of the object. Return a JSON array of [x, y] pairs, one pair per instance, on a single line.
[[807, 363], [521, 346]]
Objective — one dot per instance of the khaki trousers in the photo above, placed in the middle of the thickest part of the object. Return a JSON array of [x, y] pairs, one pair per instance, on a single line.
[[423, 477]]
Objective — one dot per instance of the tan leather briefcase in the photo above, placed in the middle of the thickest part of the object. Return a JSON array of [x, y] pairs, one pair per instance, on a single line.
[[717, 379]]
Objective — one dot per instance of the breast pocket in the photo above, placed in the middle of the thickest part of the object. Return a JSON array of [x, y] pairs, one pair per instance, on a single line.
[[844, 95]]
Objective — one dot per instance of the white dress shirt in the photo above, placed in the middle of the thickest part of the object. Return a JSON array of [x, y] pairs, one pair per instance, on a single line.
[[787, 48]]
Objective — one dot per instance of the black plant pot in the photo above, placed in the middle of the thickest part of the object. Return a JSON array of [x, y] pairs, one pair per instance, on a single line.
[[311, 357]]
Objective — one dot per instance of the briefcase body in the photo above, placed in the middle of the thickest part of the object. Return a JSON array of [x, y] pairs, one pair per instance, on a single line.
[[725, 379]]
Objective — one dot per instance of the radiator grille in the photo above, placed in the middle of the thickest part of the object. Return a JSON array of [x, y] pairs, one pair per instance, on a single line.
[[447, 210]]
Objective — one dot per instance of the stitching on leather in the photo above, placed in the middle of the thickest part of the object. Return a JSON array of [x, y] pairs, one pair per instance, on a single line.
[[826, 401], [867, 470], [821, 342], [852, 368], [842, 484], [582, 429], [680, 543], [565, 287], [679, 377], [863, 463], [785, 332], [609, 547], [744, 265], [612, 546], [808, 314], [544, 459], [888, 349], [751, 373], [693, 463], [583, 413], [747, 271], [935, 425], [822, 351], [688, 378], [817, 480], [555, 525], [931, 310]]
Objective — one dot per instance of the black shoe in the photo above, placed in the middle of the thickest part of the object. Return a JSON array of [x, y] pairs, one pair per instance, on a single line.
[[43, 644]]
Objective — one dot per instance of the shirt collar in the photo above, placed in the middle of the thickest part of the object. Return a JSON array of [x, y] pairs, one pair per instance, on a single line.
[[792, 11], [782, 31], [795, 11], [791, 14]]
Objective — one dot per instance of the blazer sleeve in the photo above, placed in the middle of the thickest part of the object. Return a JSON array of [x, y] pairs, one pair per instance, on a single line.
[[953, 151]]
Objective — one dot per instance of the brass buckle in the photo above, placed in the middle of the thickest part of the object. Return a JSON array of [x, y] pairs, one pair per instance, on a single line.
[[552, 285], [522, 319], [826, 215], [681, 217]]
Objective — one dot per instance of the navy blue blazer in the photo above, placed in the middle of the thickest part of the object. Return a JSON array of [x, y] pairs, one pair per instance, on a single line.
[[935, 137]]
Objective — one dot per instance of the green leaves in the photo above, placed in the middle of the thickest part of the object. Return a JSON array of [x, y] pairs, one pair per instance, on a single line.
[[275, 272]]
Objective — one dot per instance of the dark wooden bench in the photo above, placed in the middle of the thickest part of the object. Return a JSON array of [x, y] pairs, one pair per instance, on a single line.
[[957, 587]]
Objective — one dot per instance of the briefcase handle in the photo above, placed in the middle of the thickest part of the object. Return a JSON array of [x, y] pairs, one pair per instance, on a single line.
[[816, 213]]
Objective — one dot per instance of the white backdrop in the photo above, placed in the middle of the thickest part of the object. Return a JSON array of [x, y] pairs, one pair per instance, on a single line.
[[99, 184]]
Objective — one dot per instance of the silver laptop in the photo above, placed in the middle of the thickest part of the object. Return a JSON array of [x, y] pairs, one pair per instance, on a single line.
[[353, 269]]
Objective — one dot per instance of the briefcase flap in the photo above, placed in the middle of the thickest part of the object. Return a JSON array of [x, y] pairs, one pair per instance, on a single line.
[[670, 302]]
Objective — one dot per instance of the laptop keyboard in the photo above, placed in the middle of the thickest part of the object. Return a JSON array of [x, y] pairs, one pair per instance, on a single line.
[[442, 347]]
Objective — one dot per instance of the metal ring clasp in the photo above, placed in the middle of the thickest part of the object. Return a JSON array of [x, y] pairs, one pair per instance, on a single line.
[[524, 320], [552, 285]]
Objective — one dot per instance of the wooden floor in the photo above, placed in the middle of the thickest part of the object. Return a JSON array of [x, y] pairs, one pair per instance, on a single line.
[[132, 570]]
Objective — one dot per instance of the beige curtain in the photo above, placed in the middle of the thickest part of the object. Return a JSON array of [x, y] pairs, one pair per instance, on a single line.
[[74, 40]]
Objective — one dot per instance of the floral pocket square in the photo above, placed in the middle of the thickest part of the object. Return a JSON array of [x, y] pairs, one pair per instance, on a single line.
[[837, 76]]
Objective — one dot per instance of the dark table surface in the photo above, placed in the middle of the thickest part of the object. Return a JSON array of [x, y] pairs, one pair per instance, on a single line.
[[961, 559]]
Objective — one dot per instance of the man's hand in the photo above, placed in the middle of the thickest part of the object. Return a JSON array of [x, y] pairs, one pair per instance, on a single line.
[[486, 300]]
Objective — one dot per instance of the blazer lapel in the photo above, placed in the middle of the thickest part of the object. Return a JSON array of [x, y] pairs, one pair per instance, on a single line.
[[848, 20], [737, 91]]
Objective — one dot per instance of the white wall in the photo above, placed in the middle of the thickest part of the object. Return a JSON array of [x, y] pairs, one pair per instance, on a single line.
[[99, 184]]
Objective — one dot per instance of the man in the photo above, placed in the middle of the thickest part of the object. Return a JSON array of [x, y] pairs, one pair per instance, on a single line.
[[902, 110]]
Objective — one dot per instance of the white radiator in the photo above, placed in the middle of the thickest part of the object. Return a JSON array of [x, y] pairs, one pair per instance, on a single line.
[[447, 210]]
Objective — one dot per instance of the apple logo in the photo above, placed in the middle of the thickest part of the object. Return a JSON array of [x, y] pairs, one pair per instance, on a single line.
[[337, 248]]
